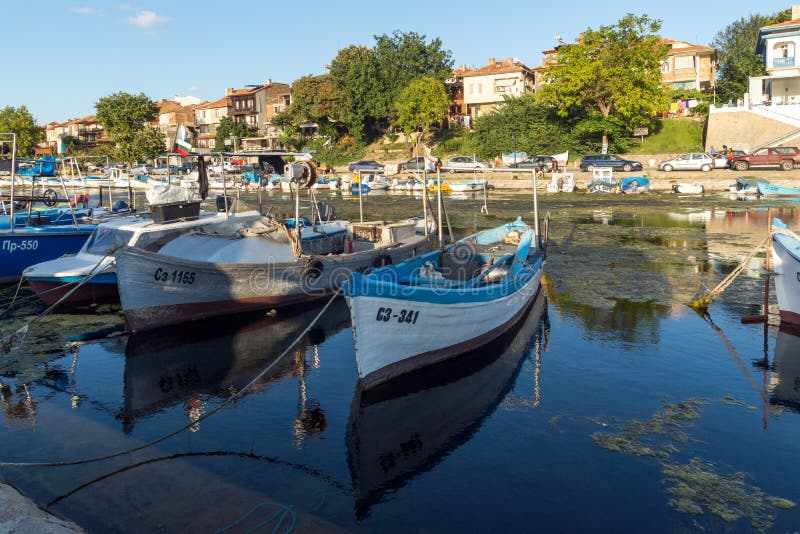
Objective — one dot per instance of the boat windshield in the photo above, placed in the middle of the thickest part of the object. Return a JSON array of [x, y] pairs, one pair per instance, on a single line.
[[104, 239]]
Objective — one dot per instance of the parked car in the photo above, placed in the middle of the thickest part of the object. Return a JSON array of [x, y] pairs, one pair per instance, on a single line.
[[365, 165], [418, 164], [785, 157], [545, 163], [694, 161], [466, 163], [593, 161]]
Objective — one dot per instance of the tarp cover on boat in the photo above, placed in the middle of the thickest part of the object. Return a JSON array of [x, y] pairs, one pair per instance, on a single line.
[[43, 167], [158, 194]]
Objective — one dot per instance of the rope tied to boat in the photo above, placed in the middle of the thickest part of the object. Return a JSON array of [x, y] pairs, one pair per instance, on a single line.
[[702, 302], [193, 423], [19, 335]]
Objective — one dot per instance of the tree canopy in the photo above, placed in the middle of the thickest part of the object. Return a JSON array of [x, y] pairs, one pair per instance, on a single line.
[[736, 52], [127, 118], [422, 104], [228, 128], [612, 72], [21, 122], [524, 124]]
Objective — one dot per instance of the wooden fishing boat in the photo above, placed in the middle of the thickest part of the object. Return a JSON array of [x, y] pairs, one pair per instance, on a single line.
[[786, 248], [407, 426], [52, 280], [253, 263], [413, 314], [775, 191]]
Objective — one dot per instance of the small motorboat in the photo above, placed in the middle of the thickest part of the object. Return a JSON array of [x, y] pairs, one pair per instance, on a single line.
[[777, 191], [468, 186], [746, 187], [786, 245], [634, 184], [561, 182], [688, 189]]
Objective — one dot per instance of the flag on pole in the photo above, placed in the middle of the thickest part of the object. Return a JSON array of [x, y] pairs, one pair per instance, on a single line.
[[181, 145]]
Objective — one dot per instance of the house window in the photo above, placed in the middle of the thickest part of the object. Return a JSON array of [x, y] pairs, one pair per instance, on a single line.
[[784, 49], [684, 62], [665, 67]]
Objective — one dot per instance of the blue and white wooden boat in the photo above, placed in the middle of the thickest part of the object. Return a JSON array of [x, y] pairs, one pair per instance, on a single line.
[[634, 184], [435, 306], [773, 191], [746, 187], [786, 247]]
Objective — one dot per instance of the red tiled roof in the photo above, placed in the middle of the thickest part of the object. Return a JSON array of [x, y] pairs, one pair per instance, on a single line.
[[221, 103], [500, 67], [795, 22], [689, 48]]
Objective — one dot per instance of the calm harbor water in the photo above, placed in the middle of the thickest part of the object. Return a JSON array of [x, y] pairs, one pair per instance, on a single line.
[[613, 406]]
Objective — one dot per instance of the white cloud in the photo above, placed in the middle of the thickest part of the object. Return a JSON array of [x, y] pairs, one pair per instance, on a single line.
[[83, 10], [148, 19]]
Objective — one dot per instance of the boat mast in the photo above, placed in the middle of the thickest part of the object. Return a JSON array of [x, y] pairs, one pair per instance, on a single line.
[[535, 208], [13, 178]]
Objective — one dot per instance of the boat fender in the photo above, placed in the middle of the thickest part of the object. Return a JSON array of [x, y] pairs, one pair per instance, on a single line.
[[312, 270], [382, 261]]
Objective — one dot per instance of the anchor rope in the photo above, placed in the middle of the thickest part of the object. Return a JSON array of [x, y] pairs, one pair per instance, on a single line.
[[234, 396], [704, 300]]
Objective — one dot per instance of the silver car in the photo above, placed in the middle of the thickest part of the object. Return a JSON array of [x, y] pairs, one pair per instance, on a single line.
[[695, 161], [466, 163]]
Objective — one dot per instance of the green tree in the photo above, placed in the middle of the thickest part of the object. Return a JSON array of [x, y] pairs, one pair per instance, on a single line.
[[422, 104], [313, 100], [403, 57], [524, 124], [127, 118], [736, 51], [368, 81], [612, 72], [356, 77], [141, 145], [21, 122], [228, 128]]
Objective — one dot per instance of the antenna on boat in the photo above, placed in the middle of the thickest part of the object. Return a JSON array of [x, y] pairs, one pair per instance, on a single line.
[[13, 170]]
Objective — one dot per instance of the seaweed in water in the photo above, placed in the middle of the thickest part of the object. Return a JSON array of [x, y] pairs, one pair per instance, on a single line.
[[647, 438], [696, 487]]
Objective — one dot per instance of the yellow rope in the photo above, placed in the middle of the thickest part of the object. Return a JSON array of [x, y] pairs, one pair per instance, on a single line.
[[704, 301]]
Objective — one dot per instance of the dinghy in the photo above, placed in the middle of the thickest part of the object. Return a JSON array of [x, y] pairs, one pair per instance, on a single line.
[[786, 247]]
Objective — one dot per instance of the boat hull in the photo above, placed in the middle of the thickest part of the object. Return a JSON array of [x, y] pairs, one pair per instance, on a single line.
[[777, 191], [157, 290], [388, 345], [101, 288], [787, 282], [25, 247]]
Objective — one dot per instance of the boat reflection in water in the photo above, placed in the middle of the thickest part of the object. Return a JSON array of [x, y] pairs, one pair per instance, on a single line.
[[785, 382], [221, 356], [404, 427]]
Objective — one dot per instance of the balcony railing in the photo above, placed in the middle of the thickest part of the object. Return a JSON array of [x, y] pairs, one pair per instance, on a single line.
[[783, 62]]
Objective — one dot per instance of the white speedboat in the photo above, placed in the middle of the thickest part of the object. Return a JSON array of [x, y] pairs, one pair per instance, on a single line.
[[786, 247]]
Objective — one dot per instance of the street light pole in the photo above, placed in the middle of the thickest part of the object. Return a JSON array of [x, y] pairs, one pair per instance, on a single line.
[[514, 138]]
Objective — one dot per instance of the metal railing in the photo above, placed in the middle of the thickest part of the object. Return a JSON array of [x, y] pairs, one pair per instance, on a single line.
[[783, 62]]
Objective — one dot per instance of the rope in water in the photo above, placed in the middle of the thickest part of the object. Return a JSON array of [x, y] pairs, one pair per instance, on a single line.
[[238, 394], [704, 301], [18, 336]]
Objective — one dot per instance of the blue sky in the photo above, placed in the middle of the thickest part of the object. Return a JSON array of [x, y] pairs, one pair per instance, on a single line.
[[66, 55]]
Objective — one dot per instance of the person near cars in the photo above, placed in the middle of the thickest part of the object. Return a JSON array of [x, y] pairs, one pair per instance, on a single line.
[[713, 151], [730, 157]]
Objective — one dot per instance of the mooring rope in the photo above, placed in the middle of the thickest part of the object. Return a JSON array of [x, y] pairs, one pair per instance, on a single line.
[[192, 424], [703, 301], [18, 336]]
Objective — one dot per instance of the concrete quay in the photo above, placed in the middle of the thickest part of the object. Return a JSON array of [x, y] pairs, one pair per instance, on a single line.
[[20, 515]]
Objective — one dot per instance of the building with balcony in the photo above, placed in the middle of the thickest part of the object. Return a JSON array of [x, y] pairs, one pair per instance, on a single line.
[[84, 133], [769, 113], [689, 66], [778, 45], [207, 117], [486, 87], [170, 115]]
